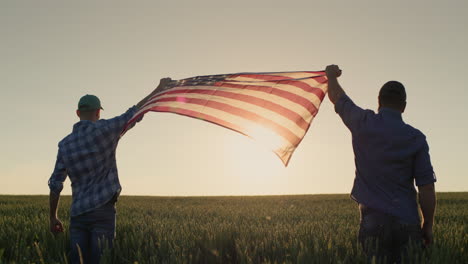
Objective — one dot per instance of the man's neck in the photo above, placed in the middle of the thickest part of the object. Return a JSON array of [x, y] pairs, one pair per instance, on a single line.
[[88, 119]]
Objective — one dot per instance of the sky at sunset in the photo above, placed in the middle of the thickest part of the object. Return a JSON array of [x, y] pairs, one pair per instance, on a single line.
[[54, 52]]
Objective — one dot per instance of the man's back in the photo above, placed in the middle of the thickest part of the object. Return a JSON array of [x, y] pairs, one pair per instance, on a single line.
[[87, 156], [389, 156]]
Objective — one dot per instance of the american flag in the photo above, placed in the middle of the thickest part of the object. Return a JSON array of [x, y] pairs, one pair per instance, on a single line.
[[274, 108]]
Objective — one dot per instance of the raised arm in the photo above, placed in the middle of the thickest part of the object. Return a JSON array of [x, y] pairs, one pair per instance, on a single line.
[[427, 202], [334, 89], [162, 84]]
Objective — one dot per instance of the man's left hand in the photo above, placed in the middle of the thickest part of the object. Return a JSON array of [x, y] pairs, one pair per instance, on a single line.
[[333, 71], [56, 226]]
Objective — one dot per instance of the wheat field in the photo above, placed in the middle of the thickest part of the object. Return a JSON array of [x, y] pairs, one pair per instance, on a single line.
[[239, 229]]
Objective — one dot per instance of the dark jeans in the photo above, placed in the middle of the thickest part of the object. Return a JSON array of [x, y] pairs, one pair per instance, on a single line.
[[381, 235], [93, 232]]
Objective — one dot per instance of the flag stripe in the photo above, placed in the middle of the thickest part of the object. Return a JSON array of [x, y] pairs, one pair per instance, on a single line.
[[260, 111], [280, 145], [305, 85], [296, 103], [199, 115], [301, 113], [279, 76], [271, 78], [307, 104], [253, 117], [297, 74], [259, 102]]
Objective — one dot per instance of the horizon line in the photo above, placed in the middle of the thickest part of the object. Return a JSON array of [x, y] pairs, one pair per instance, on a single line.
[[200, 196]]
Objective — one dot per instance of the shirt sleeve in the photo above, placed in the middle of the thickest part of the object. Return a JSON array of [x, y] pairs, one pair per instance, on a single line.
[[351, 114], [58, 176], [117, 124], [422, 170]]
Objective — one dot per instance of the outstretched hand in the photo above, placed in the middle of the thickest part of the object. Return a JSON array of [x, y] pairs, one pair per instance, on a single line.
[[161, 87], [333, 71], [334, 88], [163, 83]]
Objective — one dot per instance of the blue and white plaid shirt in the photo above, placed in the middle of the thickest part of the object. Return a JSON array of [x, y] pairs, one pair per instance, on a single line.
[[87, 156]]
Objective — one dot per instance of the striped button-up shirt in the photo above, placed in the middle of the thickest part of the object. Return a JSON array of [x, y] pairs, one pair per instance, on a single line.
[[87, 156]]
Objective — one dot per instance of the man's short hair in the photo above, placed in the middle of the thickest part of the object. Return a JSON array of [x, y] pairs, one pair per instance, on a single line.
[[393, 94]]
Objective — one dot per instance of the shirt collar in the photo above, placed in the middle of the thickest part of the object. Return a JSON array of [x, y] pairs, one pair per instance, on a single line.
[[81, 124], [390, 112]]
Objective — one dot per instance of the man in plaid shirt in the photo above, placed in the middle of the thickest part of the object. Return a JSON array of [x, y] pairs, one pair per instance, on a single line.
[[87, 156]]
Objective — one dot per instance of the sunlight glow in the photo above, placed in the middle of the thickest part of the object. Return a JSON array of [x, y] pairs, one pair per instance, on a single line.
[[266, 138], [255, 166]]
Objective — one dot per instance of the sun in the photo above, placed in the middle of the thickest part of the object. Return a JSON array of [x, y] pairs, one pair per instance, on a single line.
[[251, 163]]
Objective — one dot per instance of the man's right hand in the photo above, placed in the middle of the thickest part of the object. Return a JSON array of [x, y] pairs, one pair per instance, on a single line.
[[333, 71], [427, 235], [163, 83], [56, 226]]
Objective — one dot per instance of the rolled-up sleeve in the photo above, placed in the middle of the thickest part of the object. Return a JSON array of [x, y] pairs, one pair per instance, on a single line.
[[58, 176], [422, 170], [351, 114]]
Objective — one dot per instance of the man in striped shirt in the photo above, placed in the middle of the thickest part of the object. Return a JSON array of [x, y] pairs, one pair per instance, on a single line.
[[390, 157], [87, 156]]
